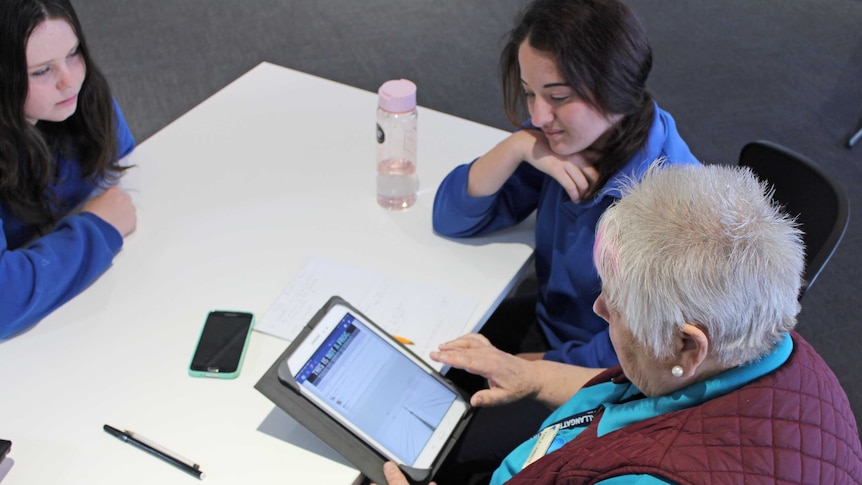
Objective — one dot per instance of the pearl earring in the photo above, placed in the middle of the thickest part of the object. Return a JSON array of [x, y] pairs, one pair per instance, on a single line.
[[676, 371]]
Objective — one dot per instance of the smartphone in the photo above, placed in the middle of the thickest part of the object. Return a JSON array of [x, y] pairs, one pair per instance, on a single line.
[[221, 345], [5, 447], [373, 385]]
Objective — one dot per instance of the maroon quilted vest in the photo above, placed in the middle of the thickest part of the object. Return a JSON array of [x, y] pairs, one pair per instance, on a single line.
[[793, 425]]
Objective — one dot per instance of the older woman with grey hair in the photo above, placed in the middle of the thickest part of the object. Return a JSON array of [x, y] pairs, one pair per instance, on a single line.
[[700, 276]]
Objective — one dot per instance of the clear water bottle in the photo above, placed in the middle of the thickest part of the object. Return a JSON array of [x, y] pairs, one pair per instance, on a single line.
[[397, 118]]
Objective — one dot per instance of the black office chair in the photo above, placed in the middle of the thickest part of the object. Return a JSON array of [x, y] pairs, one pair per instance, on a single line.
[[806, 192]]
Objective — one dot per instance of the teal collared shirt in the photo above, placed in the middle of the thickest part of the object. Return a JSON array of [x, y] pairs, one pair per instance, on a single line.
[[619, 413]]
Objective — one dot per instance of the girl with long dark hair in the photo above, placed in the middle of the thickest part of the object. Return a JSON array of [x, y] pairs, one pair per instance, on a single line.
[[61, 140], [580, 68]]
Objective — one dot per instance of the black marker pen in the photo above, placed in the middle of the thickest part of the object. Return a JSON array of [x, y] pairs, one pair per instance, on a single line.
[[178, 461]]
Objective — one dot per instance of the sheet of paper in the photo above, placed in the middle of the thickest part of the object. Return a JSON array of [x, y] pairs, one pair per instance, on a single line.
[[426, 315]]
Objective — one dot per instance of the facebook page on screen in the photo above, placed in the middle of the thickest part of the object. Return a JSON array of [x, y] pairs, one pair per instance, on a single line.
[[381, 391]]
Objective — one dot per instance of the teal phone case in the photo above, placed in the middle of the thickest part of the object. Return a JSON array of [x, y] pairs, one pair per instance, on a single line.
[[221, 375]]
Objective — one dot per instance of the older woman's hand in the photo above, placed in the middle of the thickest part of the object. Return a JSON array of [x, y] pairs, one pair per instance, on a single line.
[[394, 476], [509, 376]]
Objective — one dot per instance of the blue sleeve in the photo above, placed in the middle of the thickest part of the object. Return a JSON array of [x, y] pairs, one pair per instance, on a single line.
[[125, 140], [458, 214], [38, 278], [598, 353]]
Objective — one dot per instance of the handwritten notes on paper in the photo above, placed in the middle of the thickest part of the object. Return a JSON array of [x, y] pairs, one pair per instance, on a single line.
[[426, 315]]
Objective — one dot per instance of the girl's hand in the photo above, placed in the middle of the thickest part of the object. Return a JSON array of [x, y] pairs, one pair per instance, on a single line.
[[490, 172], [574, 172], [115, 207]]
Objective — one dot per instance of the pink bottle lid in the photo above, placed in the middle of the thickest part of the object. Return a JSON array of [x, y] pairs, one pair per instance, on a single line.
[[397, 96]]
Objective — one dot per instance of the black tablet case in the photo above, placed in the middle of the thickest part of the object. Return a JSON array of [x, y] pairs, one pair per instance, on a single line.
[[345, 442]]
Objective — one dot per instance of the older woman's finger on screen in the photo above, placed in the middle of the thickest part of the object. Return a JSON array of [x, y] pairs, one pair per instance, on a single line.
[[471, 355], [508, 376], [468, 341]]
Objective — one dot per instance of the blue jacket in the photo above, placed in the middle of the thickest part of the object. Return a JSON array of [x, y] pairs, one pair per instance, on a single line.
[[38, 275], [565, 232]]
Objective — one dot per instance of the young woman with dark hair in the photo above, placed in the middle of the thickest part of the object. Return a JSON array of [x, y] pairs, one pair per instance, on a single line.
[[61, 139], [580, 67]]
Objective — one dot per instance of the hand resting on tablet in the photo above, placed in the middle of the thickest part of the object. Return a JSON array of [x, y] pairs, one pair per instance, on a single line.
[[394, 476]]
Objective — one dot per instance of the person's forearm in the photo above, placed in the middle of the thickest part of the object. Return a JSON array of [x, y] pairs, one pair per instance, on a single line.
[[559, 382], [490, 171], [40, 277]]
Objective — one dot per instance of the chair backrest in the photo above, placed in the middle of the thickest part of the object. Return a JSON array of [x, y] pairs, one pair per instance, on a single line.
[[806, 192]]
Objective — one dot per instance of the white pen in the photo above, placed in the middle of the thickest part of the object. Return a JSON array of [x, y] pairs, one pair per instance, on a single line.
[[178, 461]]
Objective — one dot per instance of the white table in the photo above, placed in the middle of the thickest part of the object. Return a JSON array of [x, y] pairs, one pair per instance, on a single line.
[[233, 198]]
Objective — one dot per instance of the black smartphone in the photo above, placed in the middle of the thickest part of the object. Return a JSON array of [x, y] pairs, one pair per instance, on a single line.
[[5, 447], [221, 345]]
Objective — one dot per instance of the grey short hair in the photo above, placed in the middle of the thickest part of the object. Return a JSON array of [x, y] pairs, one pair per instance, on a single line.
[[701, 244]]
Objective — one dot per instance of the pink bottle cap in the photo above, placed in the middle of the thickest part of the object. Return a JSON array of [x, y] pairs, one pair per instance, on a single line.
[[397, 96]]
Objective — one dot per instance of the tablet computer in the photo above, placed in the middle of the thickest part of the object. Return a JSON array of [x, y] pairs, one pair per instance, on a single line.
[[373, 385]]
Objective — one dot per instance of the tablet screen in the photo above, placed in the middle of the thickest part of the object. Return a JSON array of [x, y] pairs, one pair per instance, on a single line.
[[376, 388]]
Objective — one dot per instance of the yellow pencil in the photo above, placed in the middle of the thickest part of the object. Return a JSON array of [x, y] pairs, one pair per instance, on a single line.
[[405, 341]]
